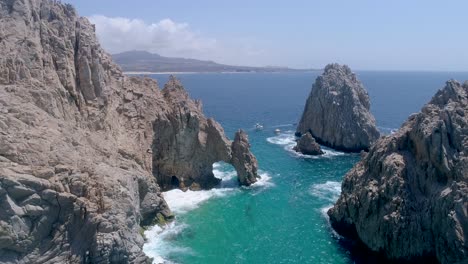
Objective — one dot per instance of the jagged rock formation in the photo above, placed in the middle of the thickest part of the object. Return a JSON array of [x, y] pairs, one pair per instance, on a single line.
[[77, 140], [186, 145], [408, 197], [337, 111], [307, 145], [242, 159]]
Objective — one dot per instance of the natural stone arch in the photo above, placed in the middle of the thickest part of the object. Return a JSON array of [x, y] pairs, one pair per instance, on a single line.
[[186, 144]]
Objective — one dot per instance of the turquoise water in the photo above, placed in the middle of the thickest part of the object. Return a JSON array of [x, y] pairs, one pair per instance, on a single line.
[[282, 218]]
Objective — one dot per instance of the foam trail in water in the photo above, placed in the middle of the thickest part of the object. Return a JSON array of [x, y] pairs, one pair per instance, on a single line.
[[288, 141], [330, 192], [284, 125]]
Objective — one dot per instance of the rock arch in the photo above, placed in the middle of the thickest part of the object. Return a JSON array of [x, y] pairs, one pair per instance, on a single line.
[[186, 144]]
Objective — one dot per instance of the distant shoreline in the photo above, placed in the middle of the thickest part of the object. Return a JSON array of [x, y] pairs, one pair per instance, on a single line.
[[142, 72], [227, 72]]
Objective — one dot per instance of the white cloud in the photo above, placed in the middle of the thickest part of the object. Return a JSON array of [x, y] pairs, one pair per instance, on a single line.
[[169, 38], [166, 37]]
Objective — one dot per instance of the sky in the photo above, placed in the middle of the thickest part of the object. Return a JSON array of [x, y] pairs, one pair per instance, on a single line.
[[396, 35]]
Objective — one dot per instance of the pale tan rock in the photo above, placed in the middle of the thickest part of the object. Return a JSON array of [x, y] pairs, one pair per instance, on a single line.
[[186, 144], [78, 140], [243, 160]]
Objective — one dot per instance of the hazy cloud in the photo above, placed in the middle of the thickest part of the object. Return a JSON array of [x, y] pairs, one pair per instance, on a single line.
[[166, 37], [169, 38]]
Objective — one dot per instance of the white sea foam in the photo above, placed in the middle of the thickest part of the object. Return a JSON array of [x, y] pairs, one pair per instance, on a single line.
[[182, 202], [283, 125], [328, 191], [387, 130], [160, 245], [288, 141]]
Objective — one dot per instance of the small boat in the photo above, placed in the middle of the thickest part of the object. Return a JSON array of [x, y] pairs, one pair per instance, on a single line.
[[277, 131], [258, 127]]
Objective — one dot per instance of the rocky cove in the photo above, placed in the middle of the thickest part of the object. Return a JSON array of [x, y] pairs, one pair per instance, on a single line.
[[86, 151]]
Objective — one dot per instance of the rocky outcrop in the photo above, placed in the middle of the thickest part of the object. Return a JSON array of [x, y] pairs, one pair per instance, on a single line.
[[242, 159], [78, 141], [186, 144], [307, 145], [337, 111], [408, 197]]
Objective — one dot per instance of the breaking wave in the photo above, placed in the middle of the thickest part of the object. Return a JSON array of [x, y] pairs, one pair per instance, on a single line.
[[160, 240], [288, 141]]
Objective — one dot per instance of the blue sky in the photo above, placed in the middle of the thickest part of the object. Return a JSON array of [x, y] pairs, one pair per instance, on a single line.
[[367, 35]]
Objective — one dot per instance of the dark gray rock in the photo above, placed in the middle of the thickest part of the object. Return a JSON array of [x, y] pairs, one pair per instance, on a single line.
[[307, 145], [337, 111], [408, 197]]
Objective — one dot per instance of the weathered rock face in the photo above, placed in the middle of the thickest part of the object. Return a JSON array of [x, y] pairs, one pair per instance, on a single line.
[[408, 197], [337, 111], [186, 144], [307, 145], [242, 159], [78, 140]]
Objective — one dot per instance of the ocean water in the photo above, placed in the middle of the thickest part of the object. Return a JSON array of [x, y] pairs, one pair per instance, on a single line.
[[282, 218]]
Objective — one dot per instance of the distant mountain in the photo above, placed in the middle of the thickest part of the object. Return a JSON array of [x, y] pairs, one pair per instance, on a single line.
[[143, 61]]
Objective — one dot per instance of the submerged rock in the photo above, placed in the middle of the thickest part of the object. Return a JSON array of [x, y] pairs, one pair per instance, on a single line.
[[242, 159], [307, 145], [408, 197], [337, 111], [78, 140]]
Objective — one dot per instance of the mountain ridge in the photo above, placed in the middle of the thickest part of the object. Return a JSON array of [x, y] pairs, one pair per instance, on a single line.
[[144, 61]]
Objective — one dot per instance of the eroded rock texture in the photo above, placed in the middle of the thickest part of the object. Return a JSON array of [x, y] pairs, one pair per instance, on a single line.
[[337, 111], [78, 140], [186, 144], [408, 197], [243, 160], [306, 144]]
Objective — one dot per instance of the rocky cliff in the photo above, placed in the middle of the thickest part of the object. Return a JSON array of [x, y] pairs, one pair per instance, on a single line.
[[337, 111], [408, 197], [81, 144]]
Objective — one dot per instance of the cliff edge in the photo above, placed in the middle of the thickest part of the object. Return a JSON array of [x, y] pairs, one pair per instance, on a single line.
[[79, 142], [408, 197]]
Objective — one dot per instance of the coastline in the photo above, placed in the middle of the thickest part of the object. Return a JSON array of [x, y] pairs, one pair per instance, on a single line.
[[152, 73], [222, 72]]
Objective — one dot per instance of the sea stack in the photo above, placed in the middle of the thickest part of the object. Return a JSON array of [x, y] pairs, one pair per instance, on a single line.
[[242, 159], [337, 111], [408, 197], [307, 145], [78, 140]]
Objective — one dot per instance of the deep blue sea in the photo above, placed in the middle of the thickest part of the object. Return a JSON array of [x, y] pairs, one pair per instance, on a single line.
[[282, 218]]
